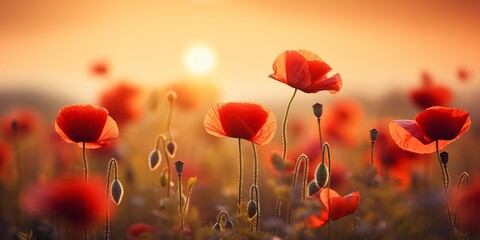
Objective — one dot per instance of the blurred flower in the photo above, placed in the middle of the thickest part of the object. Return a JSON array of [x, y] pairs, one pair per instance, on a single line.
[[193, 94], [25, 121], [341, 121], [5, 159], [468, 206], [248, 121], [86, 124], [304, 70], [100, 68], [72, 200], [435, 123], [463, 74], [339, 207], [429, 95], [140, 231], [122, 102]]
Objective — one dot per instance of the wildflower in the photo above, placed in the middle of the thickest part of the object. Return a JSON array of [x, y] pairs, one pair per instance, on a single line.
[[122, 102], [306, 71], [429, 95], [141, 231], [20, 122], [86, 124], [441, 124], [337, 208]]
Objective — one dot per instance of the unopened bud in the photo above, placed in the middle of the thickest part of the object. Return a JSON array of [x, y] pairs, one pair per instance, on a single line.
[[444, 157], [252, 209], [171, 148], [277, 162], [171, 95], [373, 134], [317, 110], [217, 227], [116, 191], [312, 188], [163, 179], [179, 166], [322, 175], [229, 224], [154, 160]]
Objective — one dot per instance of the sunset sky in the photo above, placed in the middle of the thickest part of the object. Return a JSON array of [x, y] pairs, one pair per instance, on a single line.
[[376, 46]]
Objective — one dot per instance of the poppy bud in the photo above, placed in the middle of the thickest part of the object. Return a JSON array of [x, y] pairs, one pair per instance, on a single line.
[[171, 149], [373, 134], [312, 188], [252, 209], [154, 160], [171, 95], [444, 157], [163, 179], [322, 175], [317, 110], [229, 224], [217, 227], [116, 191], [277, 162], [179, 166]]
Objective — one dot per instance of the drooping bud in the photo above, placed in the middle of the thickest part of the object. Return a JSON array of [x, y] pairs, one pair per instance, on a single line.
[[313, 188], [322, 175], [163, 179], [229, 224], [179, 166], [154, 160], [317, 110], [116, 191], [252, 209], [444, 157], [277, 162], [217, 227], [373, 134], [171, 95], [171, 148]]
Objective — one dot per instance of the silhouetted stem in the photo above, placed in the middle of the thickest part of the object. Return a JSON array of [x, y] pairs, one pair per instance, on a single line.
[[85, 163], [180, 208], [255, 196], [327, 147], [167, 159], [169, 120], [464, 177], [320, 132], [255, 165], [371, 154], [278, 203], [446, 182], [240, 175], [302, 159], [112, 163]]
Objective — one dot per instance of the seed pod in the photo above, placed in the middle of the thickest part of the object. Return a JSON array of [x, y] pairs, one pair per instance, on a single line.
[[252, 209], [171, 148], [317, 110], [444, 157], [322, 175], [229, 224], [171, 95], [313, 188], [217, 227], [116, 191], [179, 166], [154, 160], [373, 134]]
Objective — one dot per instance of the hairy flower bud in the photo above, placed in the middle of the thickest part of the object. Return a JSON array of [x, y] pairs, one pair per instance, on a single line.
[[171, 148], [444, 157], [373, 134], [116, 191], [322, 175], [229, 224], [154, 160], [179, 166], [252, 209], [171, 95], [217, 227], [317, 110], [313, 188]]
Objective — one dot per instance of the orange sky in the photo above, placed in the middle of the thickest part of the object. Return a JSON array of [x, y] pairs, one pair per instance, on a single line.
[[375, 45]]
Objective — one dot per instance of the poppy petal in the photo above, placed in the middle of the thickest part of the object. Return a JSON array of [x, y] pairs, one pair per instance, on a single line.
[[441, 123], [267, 132], [318, 69], [109, 132], [407, 141], [332, 84], [291, 68], [212, 122]]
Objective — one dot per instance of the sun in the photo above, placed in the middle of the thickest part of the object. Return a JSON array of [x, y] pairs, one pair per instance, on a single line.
[[200, 59]]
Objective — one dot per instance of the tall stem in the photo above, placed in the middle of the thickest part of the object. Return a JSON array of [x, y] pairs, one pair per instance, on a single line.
[[278, 203], [255, 192], [255, 165], [169, 121], [113, 163], [446, 182], [302, 159], [240, 175], [327, 147], [320, 132], [164, 139], [85, 162], [371, 154], [180, 202]]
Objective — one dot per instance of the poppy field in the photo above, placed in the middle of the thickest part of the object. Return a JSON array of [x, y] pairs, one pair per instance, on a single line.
[[292, 154]]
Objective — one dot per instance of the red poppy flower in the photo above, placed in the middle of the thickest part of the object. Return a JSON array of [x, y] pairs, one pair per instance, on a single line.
[[5, 159], [463, 74], [468, 206], [122, 102], [306, 71], [100, 68], [141, 231], [248, 121], [86, 124], [339, 207], [341, 122], [430, 95], [26, 120], [441, 124]]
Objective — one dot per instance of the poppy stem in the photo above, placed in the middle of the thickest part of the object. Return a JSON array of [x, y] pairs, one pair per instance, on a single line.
[[446, 182], [169, 120], [302, 159], [85, 162], [327, 147], [320, 132], [463, 179], [240, 176], [164, 139], [278, 203], [180, 202], [111, 163], [255, 192], [255, 165]]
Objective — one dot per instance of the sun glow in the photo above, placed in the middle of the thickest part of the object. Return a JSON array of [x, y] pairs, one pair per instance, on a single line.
[[200, 59]]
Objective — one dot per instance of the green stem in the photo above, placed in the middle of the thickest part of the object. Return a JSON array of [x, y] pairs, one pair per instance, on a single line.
[[464, 177], [446, 182], [255, 165], [371, 154], [169, 121], [164, 139], [85, 163], [302, 159], [113, 163], [327, 147], [240, 175], [180, 202], [278, 203], [320, 133], [255, 192]]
